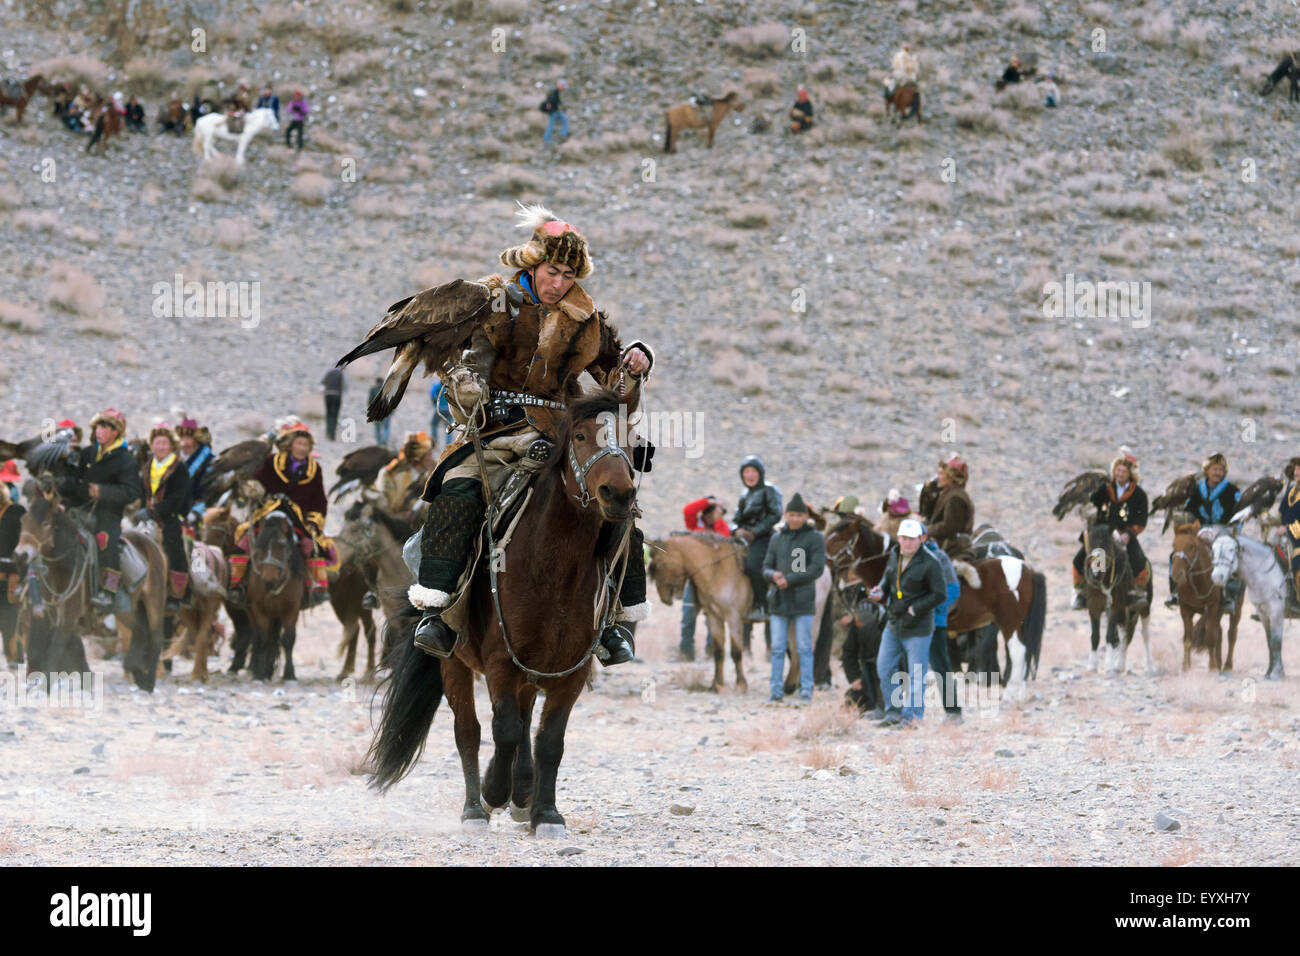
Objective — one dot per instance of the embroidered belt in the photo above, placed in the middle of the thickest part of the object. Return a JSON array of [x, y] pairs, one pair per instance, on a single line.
[[503, 404]]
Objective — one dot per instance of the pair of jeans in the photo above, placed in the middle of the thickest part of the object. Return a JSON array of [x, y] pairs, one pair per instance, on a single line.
[[550, 126], [381, 431], [803, 645], [912, 686], [690, 611]]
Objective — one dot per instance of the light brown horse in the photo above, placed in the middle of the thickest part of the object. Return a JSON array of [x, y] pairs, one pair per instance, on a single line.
[[537, 632], [1191, 570], [370, 556], [714, 564], [904, 101], [219, 528], [689, 116], [1006, 591], [142, 633], [209, 578], [28, 89]]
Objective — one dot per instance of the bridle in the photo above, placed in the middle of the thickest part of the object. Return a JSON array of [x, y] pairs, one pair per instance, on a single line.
[[609, 446], [845, 559], [1191, 569], [278, 547]]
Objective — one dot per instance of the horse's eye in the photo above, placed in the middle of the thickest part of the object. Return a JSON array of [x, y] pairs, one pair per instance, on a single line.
[[580, 436]]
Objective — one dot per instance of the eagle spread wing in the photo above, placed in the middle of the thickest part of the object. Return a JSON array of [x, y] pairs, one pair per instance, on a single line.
[[1175, 497], [1078, 492], [1257, 499], [430, 326], [235, 464], [360, 467]]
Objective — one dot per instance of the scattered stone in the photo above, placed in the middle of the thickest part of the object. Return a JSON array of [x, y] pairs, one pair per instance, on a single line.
[[166, 734], [681, 810], [687, 789], [569, 851], [1108, 63], [97, 750], [1003, 752], [940, 822], [81, 770], [1166, 822], [823, 775]]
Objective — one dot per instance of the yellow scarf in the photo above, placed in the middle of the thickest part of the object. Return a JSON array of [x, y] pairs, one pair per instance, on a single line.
[[156, 471], [106, 449]]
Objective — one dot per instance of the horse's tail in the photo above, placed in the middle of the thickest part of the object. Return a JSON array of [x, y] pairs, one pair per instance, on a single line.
[[414, 692], [668, 132], [1031, 631]]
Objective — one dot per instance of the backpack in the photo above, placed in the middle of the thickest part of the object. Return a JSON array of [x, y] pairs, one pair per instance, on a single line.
[[546, 106]]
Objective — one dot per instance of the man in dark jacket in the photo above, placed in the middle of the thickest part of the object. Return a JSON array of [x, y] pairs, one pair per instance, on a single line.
[[195, 446], [552, 107], [756, 516], [911, 588], [795, 559], [332, 382], [106, 480], [166, 483], [268, 100]]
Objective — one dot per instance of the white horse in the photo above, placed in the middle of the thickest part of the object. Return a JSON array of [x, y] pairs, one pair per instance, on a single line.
[[1266, 582], [210, 127]]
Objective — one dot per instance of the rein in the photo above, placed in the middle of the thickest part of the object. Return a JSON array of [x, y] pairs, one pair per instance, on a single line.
[[1197, 596]]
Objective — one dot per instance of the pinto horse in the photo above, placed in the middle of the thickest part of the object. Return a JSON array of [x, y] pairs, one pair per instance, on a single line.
[[1108, 583], [18, 95], [212, 126], [689, 116], [715, 565], [546, 618], [1008, 592]]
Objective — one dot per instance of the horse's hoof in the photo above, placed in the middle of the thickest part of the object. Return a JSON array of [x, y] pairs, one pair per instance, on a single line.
[[550, 831], [474, 823], [519, 814]]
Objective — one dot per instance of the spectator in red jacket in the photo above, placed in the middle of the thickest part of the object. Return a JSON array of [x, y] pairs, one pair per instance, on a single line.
[[706, 514]]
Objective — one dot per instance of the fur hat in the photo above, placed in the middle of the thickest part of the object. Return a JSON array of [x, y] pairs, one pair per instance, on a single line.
[[416, 446], [187, 426], [896, 504], [162, 428], [956, 470], [1126, 457], [1216, 459], [288, 431], [112, 418], [1289, 470], [553, 240], [795, 505]]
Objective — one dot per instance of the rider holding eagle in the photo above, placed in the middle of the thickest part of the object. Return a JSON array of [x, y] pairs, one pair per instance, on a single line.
[[511, 350]]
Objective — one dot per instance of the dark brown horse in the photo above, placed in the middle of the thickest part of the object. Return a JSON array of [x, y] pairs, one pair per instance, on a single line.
[[1109, 588], [905, 101], [277, 580], [1288, 68], [693, 116], [1192, 570], [172, 116], [550, 614], [25, 91], [219, 528]]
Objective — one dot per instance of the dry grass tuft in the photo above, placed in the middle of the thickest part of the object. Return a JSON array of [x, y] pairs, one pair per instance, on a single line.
[[74, 290], [995, 778], [73, 68], [693, 679], [1186, 150], [8, 844], [751, 215], [946, 800], [510, 182], [310, 188], [1186, 853], [746, 376], [909, 775], [830, 717], [20, 318], [758, 41], [1158, 31], [823, 756], [767, 733], [231, 233]]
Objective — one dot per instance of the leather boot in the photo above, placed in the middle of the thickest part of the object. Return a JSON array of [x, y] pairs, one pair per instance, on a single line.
[[454, 520], [1079, 603]]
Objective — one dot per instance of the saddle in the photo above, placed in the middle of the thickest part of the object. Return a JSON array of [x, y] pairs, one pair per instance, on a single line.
[[13, 89], [701, 101], [235, 122]]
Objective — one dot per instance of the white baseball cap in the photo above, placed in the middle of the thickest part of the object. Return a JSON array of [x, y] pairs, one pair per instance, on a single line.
[[910, 528]]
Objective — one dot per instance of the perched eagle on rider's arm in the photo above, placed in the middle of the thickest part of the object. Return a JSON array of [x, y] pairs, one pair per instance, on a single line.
[[1175, 496], [234, 465], [1078, 492], [360, 468], [1257, 499], [432, 326]]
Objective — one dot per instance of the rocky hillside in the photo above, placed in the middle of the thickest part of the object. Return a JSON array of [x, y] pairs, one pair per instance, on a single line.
[[851, 304]]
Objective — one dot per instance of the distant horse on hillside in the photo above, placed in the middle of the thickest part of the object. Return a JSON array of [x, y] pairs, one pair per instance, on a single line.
[[691, 115], [1288, 68], [212, 126], [18, 94], [905, 101]]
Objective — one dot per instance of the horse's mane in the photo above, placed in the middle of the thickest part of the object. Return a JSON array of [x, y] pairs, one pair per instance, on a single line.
[[398, 528], [298, 562], [584, 407]]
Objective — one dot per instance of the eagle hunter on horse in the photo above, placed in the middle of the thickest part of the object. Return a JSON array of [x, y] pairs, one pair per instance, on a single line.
[[1212, 501], [293, 483], [510, 352], [1122, 506]]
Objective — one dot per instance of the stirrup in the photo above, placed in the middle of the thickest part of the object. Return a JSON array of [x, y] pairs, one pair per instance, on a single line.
[[434, 636], [235, 595], [616, 643], [103, 599]]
